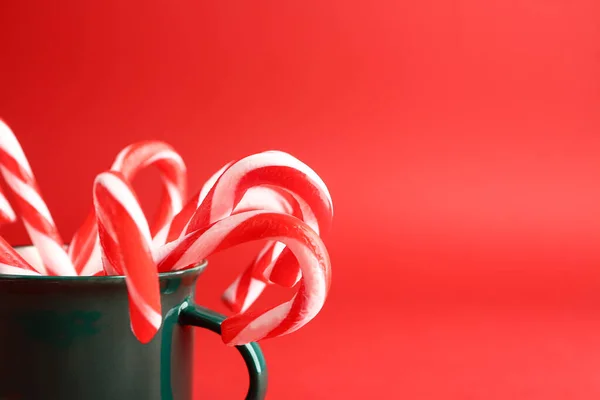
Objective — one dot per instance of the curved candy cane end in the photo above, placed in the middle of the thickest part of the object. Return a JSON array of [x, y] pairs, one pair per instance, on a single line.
[[144, 334], [230, 329], [255, 325]]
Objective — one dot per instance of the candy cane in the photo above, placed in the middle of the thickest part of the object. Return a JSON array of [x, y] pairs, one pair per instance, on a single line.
[[85, 249], [7, 214], [283, 269], [12, 263], [244, 291], [32, 208], [267, 168], [126, 244], [306, 246], [173, 173], [221, 197], [247, 287], [180, 221], [272, 198]]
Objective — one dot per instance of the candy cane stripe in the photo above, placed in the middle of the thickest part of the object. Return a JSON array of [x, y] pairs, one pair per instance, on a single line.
[[10, 270], [121, 193], [7, 214], [10, 145], [57, 261], [180, 222], [29, 195], [262, 164], [126, 244], [12, 262], [32, 209], [257, 327], [153, 317]]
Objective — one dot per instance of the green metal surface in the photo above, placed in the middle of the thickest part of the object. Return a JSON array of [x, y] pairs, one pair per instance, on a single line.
[[69, 338]]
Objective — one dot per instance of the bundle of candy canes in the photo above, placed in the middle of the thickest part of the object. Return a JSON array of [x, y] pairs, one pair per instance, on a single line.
[[269, 196]]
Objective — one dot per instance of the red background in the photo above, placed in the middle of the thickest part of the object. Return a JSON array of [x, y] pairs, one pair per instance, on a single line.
[[460, 142]]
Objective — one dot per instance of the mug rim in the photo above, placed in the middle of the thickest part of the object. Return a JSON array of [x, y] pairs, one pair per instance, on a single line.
[[198, 268]]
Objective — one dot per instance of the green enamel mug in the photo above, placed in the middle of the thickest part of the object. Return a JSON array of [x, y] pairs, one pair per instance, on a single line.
[[69, 338]]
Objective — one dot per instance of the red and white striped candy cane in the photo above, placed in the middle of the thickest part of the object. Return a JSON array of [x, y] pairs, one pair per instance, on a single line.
[[304, 243], [247, 287], [244, 291], [84, 249], [274, 168], [284, 269], [126, 244], [180, 221], [222, 197], [12, 263], [32, 208], [173, 174], [7, 214]]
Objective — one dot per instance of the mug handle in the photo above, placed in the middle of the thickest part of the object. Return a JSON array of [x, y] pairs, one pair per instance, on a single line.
[[201, 317]]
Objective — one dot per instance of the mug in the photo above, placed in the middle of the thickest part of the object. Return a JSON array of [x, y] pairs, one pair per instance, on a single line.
[[69, 338]]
